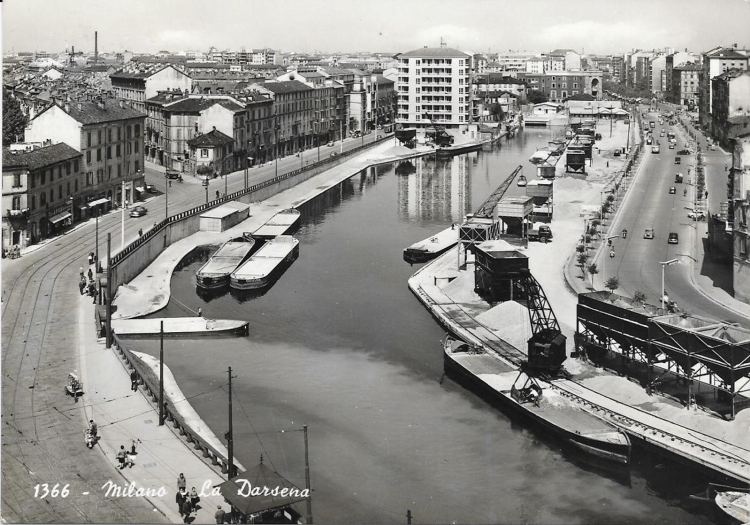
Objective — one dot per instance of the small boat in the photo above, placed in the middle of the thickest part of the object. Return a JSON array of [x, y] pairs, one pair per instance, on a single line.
[[261, 269], [735, 504], [215, 273], [498, 382], [280, 224], [431, 247], [540, 156], [521, 181]]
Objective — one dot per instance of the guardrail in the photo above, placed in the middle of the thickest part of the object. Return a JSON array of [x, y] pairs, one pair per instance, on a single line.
[[130, 248], [151, 385]]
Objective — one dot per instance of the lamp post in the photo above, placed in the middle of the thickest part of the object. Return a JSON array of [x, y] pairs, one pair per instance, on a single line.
[[122, 229], [611, 254], [247, 175], [166, 194], [205, 185], [663, 290], [96, 251], [276, 129]]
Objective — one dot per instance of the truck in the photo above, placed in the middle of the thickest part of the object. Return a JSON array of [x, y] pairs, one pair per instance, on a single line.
[[539, 232], [678, 177]]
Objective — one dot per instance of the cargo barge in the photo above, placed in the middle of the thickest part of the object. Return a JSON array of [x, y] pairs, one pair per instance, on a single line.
[[268, 263], [282, 223], [215, 273], [511, 390], [431, 247]]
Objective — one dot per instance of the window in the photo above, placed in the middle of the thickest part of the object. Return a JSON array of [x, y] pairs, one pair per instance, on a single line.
[[109, 135], [117, 150], [137, 166], [33, 202], [59, 191], [136, 146], [118, 133], [43, 178], [16, 180], [88, 139], [52, 195], [75, 185], [119, 170], [42, 199], [59, 172], [68, 187], [99, 154], [75, 166], [109, 152], [204, 153], [67, 168], [109, 172], [137, 130], [88, 157], [89, 178], [129, 132], [99, 137], [16, 202]]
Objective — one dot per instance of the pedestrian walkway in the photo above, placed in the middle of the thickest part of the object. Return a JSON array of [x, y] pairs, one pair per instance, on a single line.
[[123, 415]]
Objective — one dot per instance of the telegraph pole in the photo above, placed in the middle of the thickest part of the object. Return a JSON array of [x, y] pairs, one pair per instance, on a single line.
[[109, 290], [230, 438], [122, 230], [309, 518], [161, 374]]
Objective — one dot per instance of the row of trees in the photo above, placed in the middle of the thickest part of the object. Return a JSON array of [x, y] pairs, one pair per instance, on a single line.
[[14, 121]]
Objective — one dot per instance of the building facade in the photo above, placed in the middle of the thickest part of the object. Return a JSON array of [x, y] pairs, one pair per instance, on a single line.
[[730, 94], [40, 190], [741, 208], [715, 62], [559, 85], [138, 82], [434, 88], [109, 134]]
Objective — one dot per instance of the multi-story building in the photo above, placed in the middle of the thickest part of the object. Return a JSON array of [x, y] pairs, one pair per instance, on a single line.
[[673, 60], [138, 82], [535, 65], [741, 207], [559, 85], [618, 69], [109, 134], [264, 56], [656, 75], [494, 82], [40, 190], [434, 87], [371, 102], [730, 94], [685, 85], [714, 63]]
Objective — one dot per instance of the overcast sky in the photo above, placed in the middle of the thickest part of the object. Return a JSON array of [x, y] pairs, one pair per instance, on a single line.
[[591, 26]]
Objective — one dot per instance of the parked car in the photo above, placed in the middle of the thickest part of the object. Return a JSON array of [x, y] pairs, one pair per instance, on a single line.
[[334, 154], [617, 152], [138, 211], [150, 188], [649, 233], [696, 215], [330, 144], [671, 145], [678, 160], [673, 238], [683, 152], [672, 190]]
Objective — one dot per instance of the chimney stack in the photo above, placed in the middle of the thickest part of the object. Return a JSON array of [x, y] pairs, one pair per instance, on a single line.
[[96, 47]]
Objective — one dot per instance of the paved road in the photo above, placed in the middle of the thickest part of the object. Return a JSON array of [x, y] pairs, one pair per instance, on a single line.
[[649, 205], [42, 431]]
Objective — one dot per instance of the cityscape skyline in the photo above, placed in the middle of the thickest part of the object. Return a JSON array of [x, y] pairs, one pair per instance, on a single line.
[[389, 27]]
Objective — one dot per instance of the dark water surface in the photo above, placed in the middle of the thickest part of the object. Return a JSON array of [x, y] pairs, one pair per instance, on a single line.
[[340, 344]]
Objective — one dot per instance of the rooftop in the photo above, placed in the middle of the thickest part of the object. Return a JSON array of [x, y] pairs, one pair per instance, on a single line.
[[40, 157], [107, 110], [198, 104], [286, 86], [210, 139], [435, 52]]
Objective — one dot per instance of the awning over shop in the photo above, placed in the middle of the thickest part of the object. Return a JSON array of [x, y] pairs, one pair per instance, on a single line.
[[59, 217], [97, 202], [140, 188]]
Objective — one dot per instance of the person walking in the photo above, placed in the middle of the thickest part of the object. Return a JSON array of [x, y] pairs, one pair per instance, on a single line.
[[140, 232], [132, 446], [200, 312], [181, 482], [186, 510], [179, 498], [194, 499], [129, 459], [134, 382], [93, 428], [121, 456], [82, 283], [91, 275], [219, 515], [81, 272]]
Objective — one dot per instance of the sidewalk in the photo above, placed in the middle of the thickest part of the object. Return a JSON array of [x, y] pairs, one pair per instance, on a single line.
[[122, 415]]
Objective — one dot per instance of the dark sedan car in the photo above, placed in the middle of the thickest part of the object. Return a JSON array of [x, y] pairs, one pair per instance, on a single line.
[[673, 238], [138, 211]]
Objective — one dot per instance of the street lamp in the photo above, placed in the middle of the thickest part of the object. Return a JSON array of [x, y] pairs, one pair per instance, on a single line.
[[205, 185], [277, 150], [611, 255], [663, 290], [166, 194], [247, 166]]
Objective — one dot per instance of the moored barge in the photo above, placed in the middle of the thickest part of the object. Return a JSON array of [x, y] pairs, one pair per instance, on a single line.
[[262, 268], [215, 273], [431, 247], [280, 224]]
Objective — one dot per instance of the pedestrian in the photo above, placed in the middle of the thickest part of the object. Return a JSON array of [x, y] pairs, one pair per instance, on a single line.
[[81, 272], [121, 457], [170, 183], [82, 284], [179, 498], [186, 510], [134, 383], [194, 499], [93, 428], [219, 514], [181, 482], [132, 446], [140, 232], [200, 312], [91, 274], [217, 194], [129, 459]]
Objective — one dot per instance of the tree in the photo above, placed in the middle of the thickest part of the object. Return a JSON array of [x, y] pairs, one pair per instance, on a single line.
[[610, 198], [536, 97], [593, 270], [496, 110], [612, 284], [639, 297], [580, 248], [14, 121]]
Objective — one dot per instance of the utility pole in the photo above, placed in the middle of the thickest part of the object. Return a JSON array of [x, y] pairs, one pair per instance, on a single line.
[[109, 290], [161, 373], [309, 518], [122, 228], [230, 438], [96, 254]]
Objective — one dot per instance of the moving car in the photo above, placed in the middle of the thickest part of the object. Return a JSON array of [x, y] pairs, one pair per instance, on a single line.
[[649, 233], [673, 238], [655, 149], [683, 152], [138, 211], [617, 152], [330, 144], [696, 215], [678, 160], [150, 188], [173, 174], [672, 190], [671, 145]]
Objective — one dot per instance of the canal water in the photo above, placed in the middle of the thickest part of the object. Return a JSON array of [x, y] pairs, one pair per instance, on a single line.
[[340, 344]]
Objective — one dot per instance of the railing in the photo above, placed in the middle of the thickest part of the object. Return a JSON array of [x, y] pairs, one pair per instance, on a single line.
[[151, 385]]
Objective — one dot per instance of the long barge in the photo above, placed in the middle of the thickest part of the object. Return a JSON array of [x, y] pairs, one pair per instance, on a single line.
[[431, 247], [280, 224], [215, 273], [267, 263], [498, 382]]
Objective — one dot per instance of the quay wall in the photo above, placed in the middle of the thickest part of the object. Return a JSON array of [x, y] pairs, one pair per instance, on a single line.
[[138, 255]]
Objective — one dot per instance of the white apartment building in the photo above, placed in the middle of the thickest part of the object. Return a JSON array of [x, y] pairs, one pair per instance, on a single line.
[[434, 87]]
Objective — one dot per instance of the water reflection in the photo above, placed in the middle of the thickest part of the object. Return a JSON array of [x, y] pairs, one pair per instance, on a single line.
[[437, 190]]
